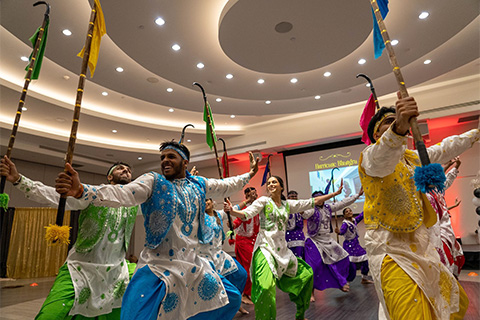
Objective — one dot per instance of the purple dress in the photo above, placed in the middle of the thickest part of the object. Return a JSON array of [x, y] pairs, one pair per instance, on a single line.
[[295, 237], [329, 261], [352, 245]]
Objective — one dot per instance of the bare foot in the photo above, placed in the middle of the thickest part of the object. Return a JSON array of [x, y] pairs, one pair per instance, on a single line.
[[345, 288], [246, 299], [243, 311], [312, 298], [366, 281]]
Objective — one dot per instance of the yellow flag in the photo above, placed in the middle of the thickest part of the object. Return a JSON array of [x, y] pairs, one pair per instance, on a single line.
[[99, 30]]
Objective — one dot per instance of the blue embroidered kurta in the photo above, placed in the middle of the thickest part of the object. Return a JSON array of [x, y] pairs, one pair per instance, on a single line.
[[173, 216]]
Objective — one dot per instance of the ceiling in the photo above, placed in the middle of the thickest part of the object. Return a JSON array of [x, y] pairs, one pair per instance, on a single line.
[[273, 40]]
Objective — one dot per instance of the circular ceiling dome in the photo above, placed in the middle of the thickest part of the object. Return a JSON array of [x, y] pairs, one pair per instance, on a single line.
[[278, 37]]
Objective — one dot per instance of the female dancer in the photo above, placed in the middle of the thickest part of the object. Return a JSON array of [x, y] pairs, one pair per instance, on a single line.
[[273, 263]]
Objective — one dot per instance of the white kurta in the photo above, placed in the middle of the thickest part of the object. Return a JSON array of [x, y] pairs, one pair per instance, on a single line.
[[271, 237], [192, 284], [413, 252], [99, 276]]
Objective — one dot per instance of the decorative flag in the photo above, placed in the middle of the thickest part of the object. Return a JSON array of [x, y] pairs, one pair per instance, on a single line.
[[378, 44], [368, 113], [327, 188], [226, 169], [267, 171], [99, 30], [208, 118], [41, 51]]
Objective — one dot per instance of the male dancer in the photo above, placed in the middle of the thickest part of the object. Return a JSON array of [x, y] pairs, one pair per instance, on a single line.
[[410, 280], [93, 279], [171, 281], [295, 237], [246, 235]]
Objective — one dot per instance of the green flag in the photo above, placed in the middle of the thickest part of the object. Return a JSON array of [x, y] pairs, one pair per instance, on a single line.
[[208, 118], [41, 51]]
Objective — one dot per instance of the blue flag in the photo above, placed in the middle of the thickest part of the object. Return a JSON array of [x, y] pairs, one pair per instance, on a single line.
[[378, 44], [267, 171]]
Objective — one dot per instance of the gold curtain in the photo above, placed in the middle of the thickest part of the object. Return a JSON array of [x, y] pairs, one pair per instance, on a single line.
[[29, 255]]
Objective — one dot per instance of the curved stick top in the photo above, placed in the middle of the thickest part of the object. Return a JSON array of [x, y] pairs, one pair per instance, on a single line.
[[203, 91], [224, 145], [366, 77], [183, 132], [47, 11]]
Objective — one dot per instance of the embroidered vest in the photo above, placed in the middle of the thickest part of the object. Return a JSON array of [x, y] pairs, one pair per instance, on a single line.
[[393, 202], [313, 223], [95, 221], [163, 206], [277, 219]]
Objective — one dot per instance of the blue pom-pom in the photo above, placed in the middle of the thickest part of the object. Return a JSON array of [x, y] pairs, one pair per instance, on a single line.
[[430, 177]]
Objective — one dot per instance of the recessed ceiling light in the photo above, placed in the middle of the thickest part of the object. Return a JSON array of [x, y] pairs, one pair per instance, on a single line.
[[200, 65], [24, 109], [169, 90], [23, 58], [232, 116], [362, 61], [229, 76], [423, 15], [65, 77], [105, 93], [218, 99], [317, 97], [188, 140], [428, 61], [176, 47], [327, 74], [119, 69], [170, 110], [367, 85], [60, 119], [394, 42], [261, 81], [294, 80], [160, 21], [67, 32], [114, 131], [139, 158], [268, 102]]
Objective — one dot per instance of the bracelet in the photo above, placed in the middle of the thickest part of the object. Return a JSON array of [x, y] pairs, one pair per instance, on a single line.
[[16, 183]]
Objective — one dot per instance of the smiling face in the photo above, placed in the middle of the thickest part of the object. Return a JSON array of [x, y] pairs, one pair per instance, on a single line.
[[121, 174], [208, 205], [348, 213], [173, 165], [273, 186]]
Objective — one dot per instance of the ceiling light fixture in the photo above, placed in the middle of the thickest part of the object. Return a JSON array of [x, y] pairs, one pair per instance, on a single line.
[[104, 93], [139, 158], [119, 69], [23, 58], [232, 116], [317, 97], [218, 99], [327, 74], [423, 15], [200, 65], [24, 109], [367, 85], [169, 90], [160, 21], [268, 102], [428, 61], [114, 131], [394, 42], [362, 61], [260, 81], [294, 80], [229, 76], [176, 47], [188, 140], [170, 110], [67, 32]]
